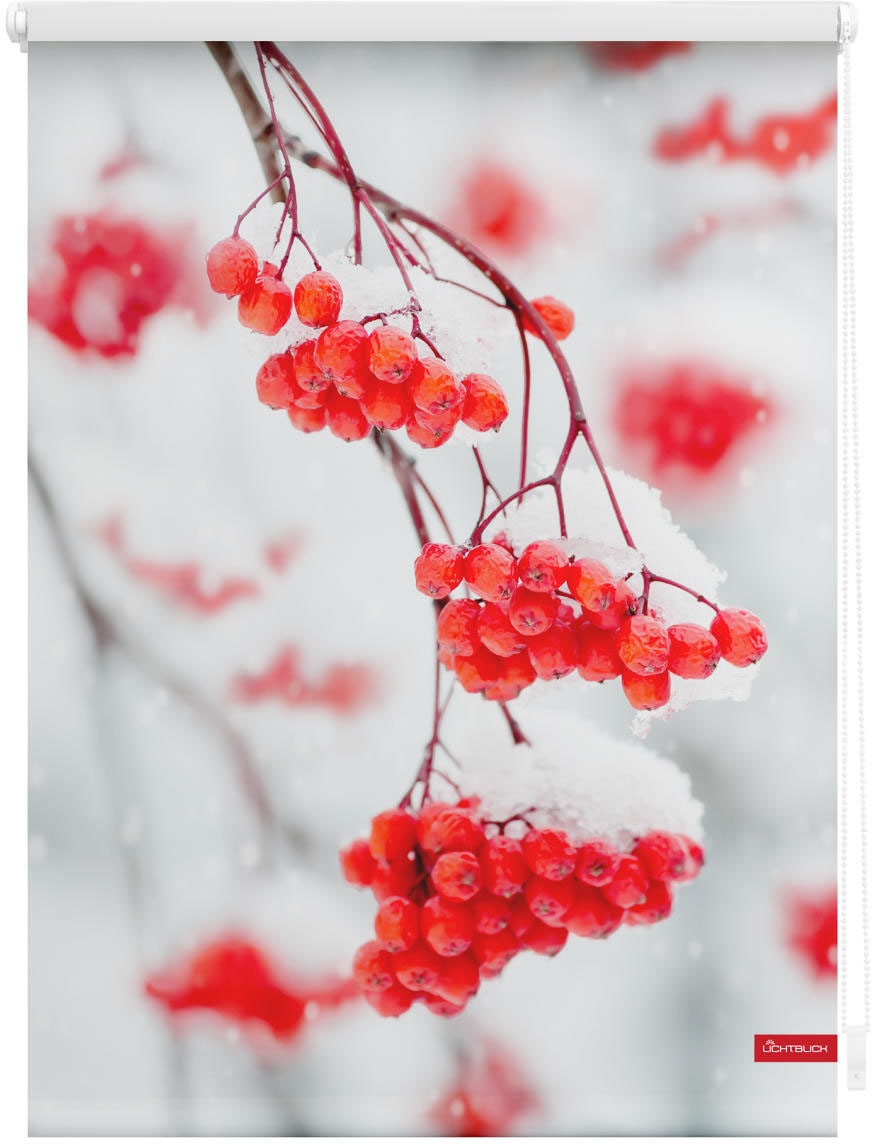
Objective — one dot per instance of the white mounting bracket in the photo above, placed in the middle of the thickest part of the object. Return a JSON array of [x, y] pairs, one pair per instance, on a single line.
[[16, 25]]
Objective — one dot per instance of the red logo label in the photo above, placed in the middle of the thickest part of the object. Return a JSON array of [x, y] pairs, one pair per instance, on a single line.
[[796, 1048]]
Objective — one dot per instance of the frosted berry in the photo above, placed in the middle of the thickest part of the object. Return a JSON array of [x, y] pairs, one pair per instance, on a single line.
[[318, 299], [497, 632], [433, 387], [385, 406], [266, 306], [342, 352], [231, 266], [393, 834], [485, 407], [491, 572], [439, 570], [276, 382], [556, 315], [456, 628], [550, 854], [629, 883], [307, 420], [357, 862], [514, 674], [417, 968], [391, 1002], [693, 861], [396, 879], [396, 924], [310, 377], [591, 583], [542, 566], [662, 855], [504, 867], [422, 435], [591, 915], [452, 829], [740, 635], [442, 423], [372, 968], [597, 655], [345, 419], [694, 653], [457, 876], [392, 354], [458, 980], [624, 605], [549, 901], [494, 951], [532, 612], [479, 671], [646, 692], [656, 907], [597, 862], [447, 927], [491, 913], [642, 645], [554, 653]]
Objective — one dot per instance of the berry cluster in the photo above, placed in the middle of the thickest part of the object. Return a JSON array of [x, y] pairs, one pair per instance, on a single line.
[[458, 899], [544, 615], [346, 378]]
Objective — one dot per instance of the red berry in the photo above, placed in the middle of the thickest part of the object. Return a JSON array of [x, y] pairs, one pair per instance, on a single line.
[[591, 915], [447, 927], [624, 605], [497, 632], [655, 908], [439, 1006], [550, 854], [427, 816], [514, 674], [307, 420], [442, 423], [484, 406], [532, 612], [597, 862], [545, 939], [392, 354], [504, 867], [341, 351], [456, 628], [439, 570], [309, 374], [386, 406], [740, 635], [548, 900], [646, 692], [491, 913], [491, 572], [393, 835], [592, 585], [433, 387], [597, 655], [556, 315], [345, 419], [479, 671], [398, 879], [629, 883], [231, 266], [357, 862], [458, 980], [693, 652], [417, 968], [266, 305], [494, 951], [694, 859], [313, 399], [421, 434], [318, 299], [276, 383], [662, 855], [457, 875], [642, 644], [554, 653], [373, 968], [391, 1002], [396, 924], [452, 829], [542, 566], [522, 921]]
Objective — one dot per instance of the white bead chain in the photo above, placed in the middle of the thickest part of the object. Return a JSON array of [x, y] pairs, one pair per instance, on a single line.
[[852, 598]]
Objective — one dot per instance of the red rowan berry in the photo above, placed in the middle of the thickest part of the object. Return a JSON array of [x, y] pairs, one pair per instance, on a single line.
[[341, 351], [491, 572], [549, 901], [629, 883], [443, 423], [494, 951], [642, 644], [447, 927], [345, 419], [439, 1006], [542, 566], [399, 878], [491, 913], [422, 435], [693, 652], [554, 653], [276, 383], [314, 399], [309, 374], [458, 980], [479, 671], [521, 921], [457, 875], [597, 862], [545, 938], [656, 906], [454, 828], [556, 315], [592, 584], [266, 306], [386, 406], [646, 692], [597, 655], [663, 856], [357, 862], [393, 835], [456, 628], [318, 299], [373, 968], [417, 968], [392, 354], [307, 420], [694, 859], [591, 915], [550, 854], [231, 266], [504, 867], [624, 605], [740, 635], [497, 632], [484, 407], [433, 387], [532, 612], [391, 1002], [427, 816], [396, 924], [439, 570], [514, 674]]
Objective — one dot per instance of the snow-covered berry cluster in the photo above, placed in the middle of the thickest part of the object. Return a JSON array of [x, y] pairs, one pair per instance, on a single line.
[[348, 379], [458, 898], [544, 614]]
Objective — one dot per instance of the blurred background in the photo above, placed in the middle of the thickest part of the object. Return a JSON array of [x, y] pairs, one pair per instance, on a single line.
[[230, 671]]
